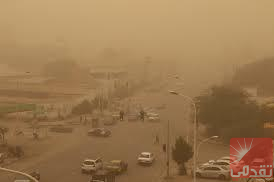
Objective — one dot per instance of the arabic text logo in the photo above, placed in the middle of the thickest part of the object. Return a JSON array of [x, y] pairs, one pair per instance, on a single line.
[[251, 158]]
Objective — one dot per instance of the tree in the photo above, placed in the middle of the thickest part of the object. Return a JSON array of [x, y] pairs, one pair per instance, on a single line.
[[181, 153], [84, 107], [258, 74], [229, 112], [100, 102]]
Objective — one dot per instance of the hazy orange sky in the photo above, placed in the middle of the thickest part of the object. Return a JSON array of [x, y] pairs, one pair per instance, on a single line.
[[201, 33]]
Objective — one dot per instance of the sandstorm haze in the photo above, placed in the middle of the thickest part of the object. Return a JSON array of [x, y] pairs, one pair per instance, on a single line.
[[198, 35], [135, 90]]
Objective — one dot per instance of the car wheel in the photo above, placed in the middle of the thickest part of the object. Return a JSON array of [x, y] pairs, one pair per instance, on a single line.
[[198, 175], [222, 177]]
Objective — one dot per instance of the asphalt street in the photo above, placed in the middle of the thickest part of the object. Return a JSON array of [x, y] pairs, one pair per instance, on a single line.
[[127, 141]]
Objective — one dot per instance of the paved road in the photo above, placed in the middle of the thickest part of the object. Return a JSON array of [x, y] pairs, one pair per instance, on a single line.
[[126, 142]]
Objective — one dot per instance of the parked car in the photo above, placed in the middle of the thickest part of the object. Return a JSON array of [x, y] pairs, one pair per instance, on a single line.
[[235, 165], [116, 166], [91, 165], [102, 132], [213, 171], [146, 158]]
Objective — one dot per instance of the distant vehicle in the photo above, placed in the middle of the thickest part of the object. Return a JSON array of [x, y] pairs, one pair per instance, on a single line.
[[91, 165], [236, 166], [132, 117], [116, 166], [102, 176], [153, 117], [213, 171], [146, 158], [102, 132]]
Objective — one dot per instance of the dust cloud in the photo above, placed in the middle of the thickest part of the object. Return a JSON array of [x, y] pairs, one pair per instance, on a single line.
[[205, 39]]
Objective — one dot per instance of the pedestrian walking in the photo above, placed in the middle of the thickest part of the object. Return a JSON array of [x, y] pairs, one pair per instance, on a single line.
[[122, 115], [156, 141], [142, 115]]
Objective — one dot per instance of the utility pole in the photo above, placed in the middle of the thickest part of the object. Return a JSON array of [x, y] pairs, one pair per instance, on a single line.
[[168, 149], [17, 107]]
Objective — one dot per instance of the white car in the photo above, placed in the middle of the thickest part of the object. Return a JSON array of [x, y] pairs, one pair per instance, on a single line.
[[91, 165], [213, 171], [146, 158], [232, 163], [153, 117]]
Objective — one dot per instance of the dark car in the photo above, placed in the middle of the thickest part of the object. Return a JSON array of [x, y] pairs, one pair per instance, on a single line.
[[117, 166], [102, 132]]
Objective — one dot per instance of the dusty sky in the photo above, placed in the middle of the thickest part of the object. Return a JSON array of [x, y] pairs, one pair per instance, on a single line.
[[198, 33]]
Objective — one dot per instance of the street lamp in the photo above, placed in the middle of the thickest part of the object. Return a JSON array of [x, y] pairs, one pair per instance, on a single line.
[[18, 172], [203, 141], [194, 128]]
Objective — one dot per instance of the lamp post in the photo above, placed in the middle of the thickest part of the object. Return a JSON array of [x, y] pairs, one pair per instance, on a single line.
[[203, 141], [194, 128], [18, 172]]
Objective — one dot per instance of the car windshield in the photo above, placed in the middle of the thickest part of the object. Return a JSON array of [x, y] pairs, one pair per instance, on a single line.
[[144, 155], [89, 163]]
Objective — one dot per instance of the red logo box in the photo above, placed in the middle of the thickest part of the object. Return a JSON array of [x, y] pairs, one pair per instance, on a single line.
[[251, 158]]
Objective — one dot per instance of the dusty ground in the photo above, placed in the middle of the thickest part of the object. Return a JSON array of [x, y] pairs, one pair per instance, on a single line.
[[60, 156]]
